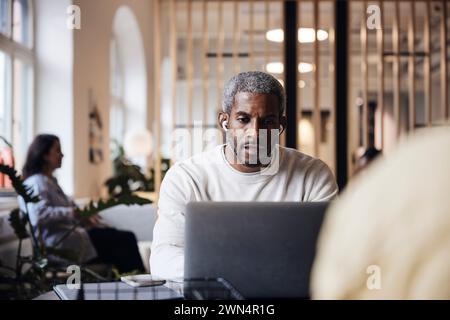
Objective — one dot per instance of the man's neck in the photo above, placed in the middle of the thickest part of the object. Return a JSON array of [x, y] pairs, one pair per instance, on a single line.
[[231, 157]]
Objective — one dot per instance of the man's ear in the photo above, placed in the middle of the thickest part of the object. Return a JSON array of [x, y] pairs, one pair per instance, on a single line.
[[283, 122], [222, 117]]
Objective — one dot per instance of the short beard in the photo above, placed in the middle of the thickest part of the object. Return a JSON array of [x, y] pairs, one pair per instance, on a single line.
[[242, 161]]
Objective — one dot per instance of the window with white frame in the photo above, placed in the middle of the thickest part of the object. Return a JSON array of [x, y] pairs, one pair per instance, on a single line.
[[16, 81]]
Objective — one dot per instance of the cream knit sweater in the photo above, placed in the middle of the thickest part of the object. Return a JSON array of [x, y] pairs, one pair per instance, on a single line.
[[209, 177]]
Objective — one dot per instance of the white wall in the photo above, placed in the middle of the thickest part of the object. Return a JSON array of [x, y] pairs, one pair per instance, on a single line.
[[69, 64], [92, 71], [54, 100], [132, 62]]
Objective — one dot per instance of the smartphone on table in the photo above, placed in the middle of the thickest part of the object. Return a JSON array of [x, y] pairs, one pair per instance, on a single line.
[[143, 280]]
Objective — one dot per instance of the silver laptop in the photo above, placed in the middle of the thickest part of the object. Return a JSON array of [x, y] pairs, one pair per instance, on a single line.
[[263, 249]]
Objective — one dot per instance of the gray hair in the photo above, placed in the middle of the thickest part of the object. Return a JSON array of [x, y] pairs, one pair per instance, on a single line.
[[252, 82]]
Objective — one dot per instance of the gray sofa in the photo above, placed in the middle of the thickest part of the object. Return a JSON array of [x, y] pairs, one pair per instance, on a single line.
[[138, 219]]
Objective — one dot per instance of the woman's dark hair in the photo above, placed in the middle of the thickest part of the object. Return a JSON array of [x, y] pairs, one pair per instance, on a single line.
[[39, 148]]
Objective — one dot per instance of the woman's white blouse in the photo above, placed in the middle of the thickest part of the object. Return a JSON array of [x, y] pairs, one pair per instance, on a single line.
[[52, 217]]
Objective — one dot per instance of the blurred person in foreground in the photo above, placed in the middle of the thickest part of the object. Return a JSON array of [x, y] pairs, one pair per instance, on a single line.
[[388, 236]]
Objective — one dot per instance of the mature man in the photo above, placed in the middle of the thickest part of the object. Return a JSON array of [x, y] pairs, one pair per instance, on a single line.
[[250, 166]]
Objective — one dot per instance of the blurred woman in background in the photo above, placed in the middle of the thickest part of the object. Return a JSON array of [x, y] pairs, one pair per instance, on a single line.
[[55, 214]]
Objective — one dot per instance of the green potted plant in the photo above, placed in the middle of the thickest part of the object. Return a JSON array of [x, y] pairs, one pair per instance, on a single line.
[[35, 274]]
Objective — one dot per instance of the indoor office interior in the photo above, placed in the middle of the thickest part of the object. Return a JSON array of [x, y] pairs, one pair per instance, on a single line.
[[132, 87]]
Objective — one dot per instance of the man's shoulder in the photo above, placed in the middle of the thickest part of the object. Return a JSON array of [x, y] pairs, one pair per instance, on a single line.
[[197, 163], [298, 158], [319, 181]]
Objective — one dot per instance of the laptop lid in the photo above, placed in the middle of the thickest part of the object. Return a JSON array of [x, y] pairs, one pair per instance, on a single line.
[[264, 249]]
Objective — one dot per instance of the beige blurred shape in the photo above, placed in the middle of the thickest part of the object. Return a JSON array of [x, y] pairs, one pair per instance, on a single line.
[[395, 216]]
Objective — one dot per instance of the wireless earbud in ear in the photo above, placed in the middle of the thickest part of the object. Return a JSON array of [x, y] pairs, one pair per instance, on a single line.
[[224, 125]]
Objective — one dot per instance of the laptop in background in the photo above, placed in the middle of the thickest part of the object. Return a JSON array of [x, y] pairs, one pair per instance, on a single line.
[[263, 249]]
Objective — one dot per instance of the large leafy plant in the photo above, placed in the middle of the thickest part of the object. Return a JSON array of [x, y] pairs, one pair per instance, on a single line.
[[127, 177], [30, 275]]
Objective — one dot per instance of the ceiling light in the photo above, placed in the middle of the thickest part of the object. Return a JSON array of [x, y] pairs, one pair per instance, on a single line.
[[275, 67], [304, 67], [275, 35], [305, 35], [301, 84], [278, 67]]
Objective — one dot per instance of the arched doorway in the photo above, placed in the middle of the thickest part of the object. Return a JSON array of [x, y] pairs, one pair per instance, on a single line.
[[128, 87]]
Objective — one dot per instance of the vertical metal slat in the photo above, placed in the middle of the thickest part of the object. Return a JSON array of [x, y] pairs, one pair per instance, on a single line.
[[316, 113], [444, 78], [332, 68], [221, 38], [365, 76], [283, 18], [236, 37], [205, 62], [396, 68], [266, 28], [411, 67], [173, 58], [427, 65], [157, 98], [380, 70], [190, 71], [299, 93], [251, 35]]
